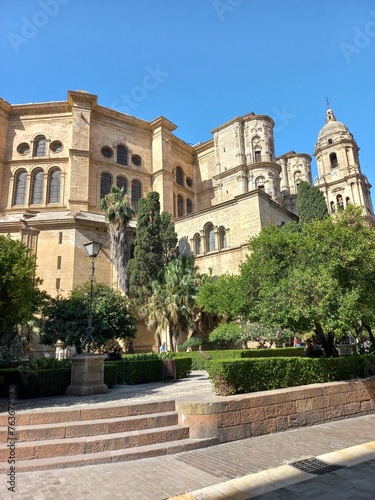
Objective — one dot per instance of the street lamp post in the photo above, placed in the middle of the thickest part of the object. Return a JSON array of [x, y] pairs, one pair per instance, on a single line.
[[87, 376], [93, 249]]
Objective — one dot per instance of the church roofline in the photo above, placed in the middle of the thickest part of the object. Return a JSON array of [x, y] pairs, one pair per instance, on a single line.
[[242, 119]]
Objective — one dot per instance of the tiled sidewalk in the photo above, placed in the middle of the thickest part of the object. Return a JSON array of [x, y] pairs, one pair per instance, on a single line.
[[167, 476], [195, 471]]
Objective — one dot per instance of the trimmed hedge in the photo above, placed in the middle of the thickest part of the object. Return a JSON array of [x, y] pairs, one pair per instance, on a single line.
[[142, 370], [238, 376], [35, 384], [110, 374], [200, 358]]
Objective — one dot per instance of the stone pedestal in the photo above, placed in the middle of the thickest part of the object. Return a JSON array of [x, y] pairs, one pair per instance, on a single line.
[[87, 375]]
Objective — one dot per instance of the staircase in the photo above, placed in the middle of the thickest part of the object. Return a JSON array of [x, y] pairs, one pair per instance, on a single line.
[[56, 438]]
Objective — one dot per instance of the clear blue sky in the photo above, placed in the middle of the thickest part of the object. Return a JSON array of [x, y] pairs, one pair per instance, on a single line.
[[200, 63]]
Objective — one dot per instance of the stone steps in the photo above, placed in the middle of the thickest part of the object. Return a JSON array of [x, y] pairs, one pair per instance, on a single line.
[[70, 437], [86, 428], [112, 456]]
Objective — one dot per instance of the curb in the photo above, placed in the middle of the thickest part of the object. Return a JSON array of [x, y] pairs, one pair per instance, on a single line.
[[269, 480]]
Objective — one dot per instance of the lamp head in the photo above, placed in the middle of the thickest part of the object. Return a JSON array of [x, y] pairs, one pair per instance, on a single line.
[[93, 248]]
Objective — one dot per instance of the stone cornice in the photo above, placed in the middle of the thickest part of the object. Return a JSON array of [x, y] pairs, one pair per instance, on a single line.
[[79, 152], [333, 146], [243, 119], [162, 122], [204, 147], [294, 155]]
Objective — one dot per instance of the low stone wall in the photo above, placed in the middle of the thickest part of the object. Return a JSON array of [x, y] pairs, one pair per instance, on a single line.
[[241, 416]]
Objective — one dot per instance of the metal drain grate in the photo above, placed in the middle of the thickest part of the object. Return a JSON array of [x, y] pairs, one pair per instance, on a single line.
[[315, 466]]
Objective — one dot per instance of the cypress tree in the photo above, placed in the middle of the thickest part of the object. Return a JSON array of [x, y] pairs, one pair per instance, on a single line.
[[155, 246], [311, 203]]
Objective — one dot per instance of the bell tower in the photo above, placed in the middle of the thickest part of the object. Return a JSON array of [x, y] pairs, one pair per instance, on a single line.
[[339, 171]]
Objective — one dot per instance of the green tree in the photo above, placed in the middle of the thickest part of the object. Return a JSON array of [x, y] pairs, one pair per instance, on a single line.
[[226, 335], [169, 238], [172, 302], [20, 297], [311, 203], [155, 246], [66, 319], [221, 296], [118, 211], [322, 278]]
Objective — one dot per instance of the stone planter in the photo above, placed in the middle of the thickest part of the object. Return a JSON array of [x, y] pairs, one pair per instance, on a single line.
[[87, 375]]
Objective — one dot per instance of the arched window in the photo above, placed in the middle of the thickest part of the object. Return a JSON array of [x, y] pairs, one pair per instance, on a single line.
[[210, 237], [37, 187], [197, 244], [332, 205], [189, 206], [121, 183], [19, 193], [136, 193], [340, 201], [40, 146], [179, 176], [347, 200], [122, 155], [222, 237], [54, 182], [333, 160], [260, 183], [105, 184], [180, 206]]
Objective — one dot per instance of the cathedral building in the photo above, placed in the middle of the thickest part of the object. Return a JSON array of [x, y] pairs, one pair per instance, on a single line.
[[58, 159]]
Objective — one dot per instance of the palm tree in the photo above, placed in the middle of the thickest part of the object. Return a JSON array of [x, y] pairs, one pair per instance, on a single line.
[[171, 305], [119, 211]]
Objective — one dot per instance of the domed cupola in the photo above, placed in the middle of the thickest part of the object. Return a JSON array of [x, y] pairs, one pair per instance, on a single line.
[[339, 172], [332, 128]]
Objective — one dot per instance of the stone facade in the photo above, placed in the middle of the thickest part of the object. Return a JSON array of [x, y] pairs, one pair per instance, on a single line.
[[57, 159]]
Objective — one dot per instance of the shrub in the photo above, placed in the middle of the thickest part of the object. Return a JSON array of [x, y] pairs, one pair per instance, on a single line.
[[121, 370], [110, 374], [250, 375], [52, 382], [225, 335], [143, 372], [199, 358], [183, 367], [273, 353], [191, 342], [47, 363], [33, 384]]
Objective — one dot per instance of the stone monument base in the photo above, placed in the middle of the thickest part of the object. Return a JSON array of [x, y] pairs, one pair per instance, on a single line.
[[87, 375]]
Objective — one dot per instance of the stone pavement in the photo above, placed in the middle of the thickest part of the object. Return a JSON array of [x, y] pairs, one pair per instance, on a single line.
[[230, 470]]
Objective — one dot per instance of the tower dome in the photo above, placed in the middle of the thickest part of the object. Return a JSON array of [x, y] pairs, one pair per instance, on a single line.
[[332, 126]]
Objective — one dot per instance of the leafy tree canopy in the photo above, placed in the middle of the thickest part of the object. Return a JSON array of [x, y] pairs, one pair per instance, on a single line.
[[221, 296], [322, 278], [66, 319], [20, 296], [311, 203]]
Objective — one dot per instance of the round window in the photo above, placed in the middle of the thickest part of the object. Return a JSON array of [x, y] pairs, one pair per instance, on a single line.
[[56, 146], [137, 160], [23, 148], [189, 181], [107, 152]]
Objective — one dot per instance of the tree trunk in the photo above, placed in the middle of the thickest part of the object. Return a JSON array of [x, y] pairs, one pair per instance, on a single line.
[[327, 342], [371, 335]]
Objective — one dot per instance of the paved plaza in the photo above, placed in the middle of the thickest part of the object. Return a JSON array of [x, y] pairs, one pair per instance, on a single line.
[[257, 467]]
